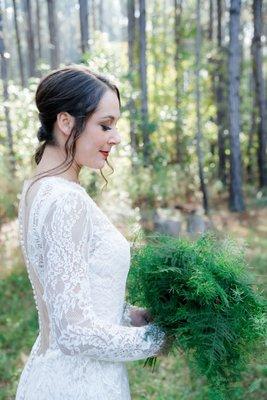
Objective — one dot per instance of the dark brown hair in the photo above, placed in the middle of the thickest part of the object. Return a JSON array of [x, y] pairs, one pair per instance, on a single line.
[[74, 89]]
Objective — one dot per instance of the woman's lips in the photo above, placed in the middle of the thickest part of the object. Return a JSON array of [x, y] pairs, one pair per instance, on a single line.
[[105, 153]]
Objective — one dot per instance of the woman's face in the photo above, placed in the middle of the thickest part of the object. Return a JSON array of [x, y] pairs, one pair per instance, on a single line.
[[100, 133]]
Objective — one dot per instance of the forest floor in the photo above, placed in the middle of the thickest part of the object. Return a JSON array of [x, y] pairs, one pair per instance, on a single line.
[[171, 379]]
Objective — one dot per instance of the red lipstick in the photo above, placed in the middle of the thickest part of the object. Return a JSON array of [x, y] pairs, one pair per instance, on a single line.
[[105, 153]]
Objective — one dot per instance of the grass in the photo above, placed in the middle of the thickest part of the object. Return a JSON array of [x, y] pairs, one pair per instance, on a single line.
[[18, 329]]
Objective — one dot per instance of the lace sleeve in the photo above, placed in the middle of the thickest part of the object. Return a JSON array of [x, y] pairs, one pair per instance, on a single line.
[[65, 238]]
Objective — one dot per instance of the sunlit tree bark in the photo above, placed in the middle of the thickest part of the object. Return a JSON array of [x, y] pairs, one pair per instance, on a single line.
[[20, 59], [84, 25], [203, 186], [4, 76], [131, 61], [30, 38], [53, 32], [143, 76]]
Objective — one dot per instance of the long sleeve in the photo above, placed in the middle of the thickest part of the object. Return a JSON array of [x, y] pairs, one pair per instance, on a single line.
[[65, 237], [126, 318]]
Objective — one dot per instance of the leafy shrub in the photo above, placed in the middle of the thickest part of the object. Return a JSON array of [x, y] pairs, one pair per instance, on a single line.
[[201, 294]]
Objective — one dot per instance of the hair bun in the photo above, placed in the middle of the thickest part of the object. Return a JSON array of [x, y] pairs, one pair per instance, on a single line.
[[42, 134]]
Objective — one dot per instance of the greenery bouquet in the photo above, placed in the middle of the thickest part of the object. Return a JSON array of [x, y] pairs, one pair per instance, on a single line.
[[201, 293]]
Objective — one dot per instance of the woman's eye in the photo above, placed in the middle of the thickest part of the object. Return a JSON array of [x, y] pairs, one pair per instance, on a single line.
[[105, 128]]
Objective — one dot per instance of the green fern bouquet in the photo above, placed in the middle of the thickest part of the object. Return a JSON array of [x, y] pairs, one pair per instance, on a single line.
[[201, 293]]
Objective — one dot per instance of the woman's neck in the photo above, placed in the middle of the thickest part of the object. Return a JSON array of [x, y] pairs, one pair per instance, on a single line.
[[52, 157]]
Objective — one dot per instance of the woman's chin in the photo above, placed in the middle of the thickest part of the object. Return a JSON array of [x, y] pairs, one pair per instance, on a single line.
[[97, 164]]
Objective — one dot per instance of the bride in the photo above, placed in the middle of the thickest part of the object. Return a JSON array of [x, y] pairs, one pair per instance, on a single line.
[[77, 260]]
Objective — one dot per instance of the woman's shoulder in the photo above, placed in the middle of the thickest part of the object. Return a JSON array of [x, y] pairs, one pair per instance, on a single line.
[[54, 192], [62, 190], [55, 186]]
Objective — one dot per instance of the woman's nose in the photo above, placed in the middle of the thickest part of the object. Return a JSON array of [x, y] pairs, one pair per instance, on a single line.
[[115, 138]]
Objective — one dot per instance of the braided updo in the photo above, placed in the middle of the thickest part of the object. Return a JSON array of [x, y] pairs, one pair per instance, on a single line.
[[42, 134]]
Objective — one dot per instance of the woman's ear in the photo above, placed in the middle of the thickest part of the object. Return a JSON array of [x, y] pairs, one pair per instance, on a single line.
[[65, 122]]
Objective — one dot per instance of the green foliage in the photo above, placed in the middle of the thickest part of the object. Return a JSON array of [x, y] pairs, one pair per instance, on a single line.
[[18, 327], [159, 183], [201, 293], [8, 199]]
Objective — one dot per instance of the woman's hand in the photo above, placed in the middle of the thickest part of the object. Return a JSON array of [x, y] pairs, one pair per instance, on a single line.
[[140, 316]]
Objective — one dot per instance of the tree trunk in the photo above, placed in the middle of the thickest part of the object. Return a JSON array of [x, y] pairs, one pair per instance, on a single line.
[[131, 42], [260, 92], [101, 16], [179, 150], [236, 202], [30, 38], [143, 76], [210, 29], [21, 70], [253, 128], [154, 52], [53, 33], [84, 25], [4, 77], [93, 14], [220, 98], [38, 28], [203, 186]]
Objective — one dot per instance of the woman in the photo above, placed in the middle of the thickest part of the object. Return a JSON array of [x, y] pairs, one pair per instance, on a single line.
[[76, 259]]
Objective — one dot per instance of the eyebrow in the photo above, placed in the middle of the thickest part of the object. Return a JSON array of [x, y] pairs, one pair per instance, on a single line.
[[109, 116]]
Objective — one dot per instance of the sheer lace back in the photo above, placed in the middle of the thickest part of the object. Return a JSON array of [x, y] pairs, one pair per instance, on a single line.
[[33, 208], [26, 217]]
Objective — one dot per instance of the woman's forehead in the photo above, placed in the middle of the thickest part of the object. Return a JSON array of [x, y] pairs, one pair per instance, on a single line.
[[108, 106]]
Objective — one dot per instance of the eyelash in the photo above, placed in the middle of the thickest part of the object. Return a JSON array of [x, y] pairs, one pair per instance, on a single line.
[[105, 128]]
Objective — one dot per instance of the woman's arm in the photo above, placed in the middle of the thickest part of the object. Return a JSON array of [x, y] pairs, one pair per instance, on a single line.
[[65, 237]]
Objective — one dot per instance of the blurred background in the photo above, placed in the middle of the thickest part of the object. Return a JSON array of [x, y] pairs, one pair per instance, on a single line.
[[192, 77]]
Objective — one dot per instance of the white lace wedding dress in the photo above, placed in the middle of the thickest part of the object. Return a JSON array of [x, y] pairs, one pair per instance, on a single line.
[[77, 262]]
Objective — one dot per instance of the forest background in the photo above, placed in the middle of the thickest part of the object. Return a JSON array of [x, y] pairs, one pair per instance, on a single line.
[[192, 77]]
